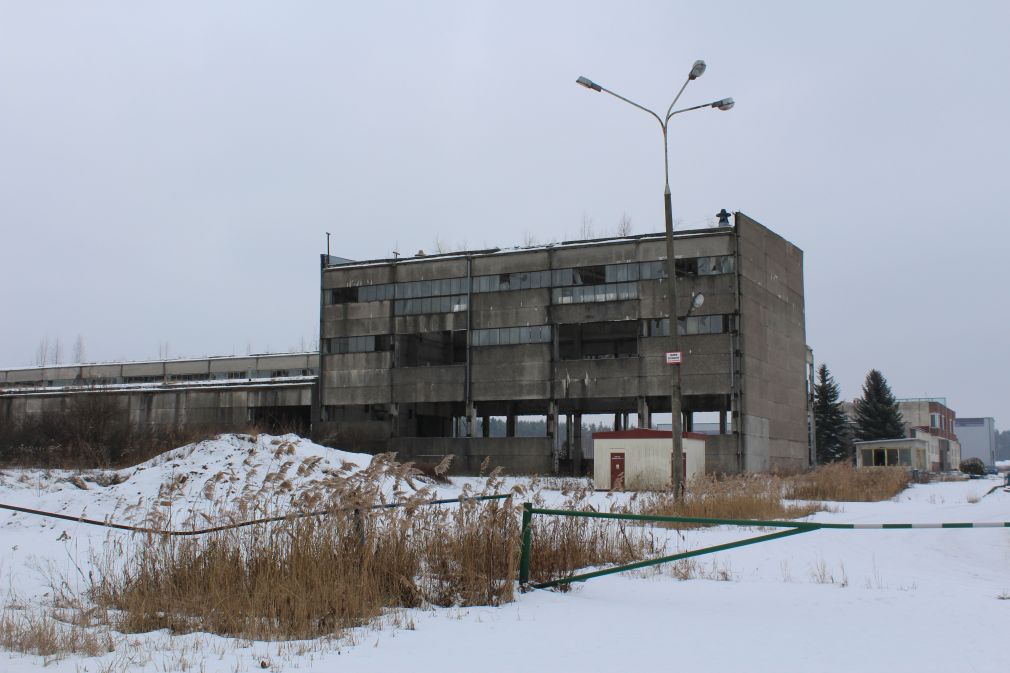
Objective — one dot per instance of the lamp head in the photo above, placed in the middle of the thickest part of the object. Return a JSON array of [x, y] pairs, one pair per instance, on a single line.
[[697, 70], [724, 104], [588, 83]]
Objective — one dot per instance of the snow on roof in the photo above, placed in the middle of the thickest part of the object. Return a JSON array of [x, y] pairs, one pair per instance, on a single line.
[[690, 233], [73, 365]]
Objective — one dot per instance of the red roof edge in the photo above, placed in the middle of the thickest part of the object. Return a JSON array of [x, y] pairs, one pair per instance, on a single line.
[[645, 433]]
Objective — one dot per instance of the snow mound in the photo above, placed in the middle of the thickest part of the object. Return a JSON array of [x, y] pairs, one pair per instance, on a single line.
[[231, 476]]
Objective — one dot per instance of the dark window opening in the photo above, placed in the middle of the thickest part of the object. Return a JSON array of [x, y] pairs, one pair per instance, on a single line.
[[343, 295], [431, 348], [590, 275], [188, 377], [598, 340]]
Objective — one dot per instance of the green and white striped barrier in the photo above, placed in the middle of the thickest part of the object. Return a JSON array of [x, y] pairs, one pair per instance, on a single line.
[[794, 528]]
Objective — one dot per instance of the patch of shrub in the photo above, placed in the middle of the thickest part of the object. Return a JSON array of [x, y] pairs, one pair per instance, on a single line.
[[973, 466]]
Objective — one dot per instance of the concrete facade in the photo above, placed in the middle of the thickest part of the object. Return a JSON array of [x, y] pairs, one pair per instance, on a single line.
[[225, 392], [430, 348], [978, 438]]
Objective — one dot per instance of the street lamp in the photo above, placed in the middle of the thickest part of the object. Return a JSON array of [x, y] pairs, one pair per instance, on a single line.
[[697, 70]]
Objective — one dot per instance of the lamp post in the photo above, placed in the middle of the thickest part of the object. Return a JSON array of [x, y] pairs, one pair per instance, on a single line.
[[671, 267]]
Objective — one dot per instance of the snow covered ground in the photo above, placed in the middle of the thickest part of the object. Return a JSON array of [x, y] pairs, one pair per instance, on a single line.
[[865, 600]]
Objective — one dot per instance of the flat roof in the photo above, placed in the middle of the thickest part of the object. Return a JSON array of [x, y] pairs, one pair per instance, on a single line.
[[206, 358], [688, 233], [890, 441]]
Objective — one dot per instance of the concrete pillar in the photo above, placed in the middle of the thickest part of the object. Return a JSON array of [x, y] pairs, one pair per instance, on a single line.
[[617, 421], [485, 430], [510, 423], [688, 424], [576, 453], [644, 420], [568, 435], [552, 418], [722, 421]]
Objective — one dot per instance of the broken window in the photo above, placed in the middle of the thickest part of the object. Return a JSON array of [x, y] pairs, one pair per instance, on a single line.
[[599, 340], [431, 348]]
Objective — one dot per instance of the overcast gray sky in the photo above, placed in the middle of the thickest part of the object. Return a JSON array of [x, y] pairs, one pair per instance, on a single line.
[[167, 170]]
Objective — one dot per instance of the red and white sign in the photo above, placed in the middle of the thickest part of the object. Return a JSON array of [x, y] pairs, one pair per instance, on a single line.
[[674, 358]]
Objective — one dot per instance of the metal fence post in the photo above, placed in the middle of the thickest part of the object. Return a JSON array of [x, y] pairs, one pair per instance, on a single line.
[[524, 559]]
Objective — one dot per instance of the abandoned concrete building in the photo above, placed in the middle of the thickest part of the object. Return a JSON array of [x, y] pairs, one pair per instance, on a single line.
[[418, 354], [270, 391], [421, 355]]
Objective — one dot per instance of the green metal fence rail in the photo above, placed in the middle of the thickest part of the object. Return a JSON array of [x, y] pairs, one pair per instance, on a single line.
[[242, 524], [793, 528]]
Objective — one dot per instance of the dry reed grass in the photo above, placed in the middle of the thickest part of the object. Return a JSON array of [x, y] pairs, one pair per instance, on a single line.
[[563, 545], [40, 632], [312, 577], [845, 483], [748, 496]]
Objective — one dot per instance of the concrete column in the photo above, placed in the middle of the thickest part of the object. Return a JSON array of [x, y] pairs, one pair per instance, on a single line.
[[617, 422], [568, 435], [576, 453], [722, 421], [688, 423], [644, 420], [510, 423], [485, 430], [552, 419], [471, 420]]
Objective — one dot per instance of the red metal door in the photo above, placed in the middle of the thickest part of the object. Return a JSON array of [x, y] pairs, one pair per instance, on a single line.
[[617, 471]]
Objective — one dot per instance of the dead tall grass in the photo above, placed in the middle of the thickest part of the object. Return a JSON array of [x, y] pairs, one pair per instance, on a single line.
[[843, 482], [39, 632], [312, 577], [746, 496], [562, 545]]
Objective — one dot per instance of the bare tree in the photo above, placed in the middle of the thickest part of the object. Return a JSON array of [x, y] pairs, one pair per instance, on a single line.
[[42, 352], [530, 240], [79, 350], [56, 352], [586, 231], [624, 225], [442, 246]]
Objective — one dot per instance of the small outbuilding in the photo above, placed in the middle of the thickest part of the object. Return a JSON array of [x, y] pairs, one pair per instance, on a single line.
[[641, 459]]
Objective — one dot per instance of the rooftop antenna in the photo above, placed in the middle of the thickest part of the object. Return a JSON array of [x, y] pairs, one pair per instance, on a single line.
[[327, 248]]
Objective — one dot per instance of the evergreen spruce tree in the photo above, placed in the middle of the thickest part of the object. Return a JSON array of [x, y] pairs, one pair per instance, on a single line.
[[831, 432], [877, 415]]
